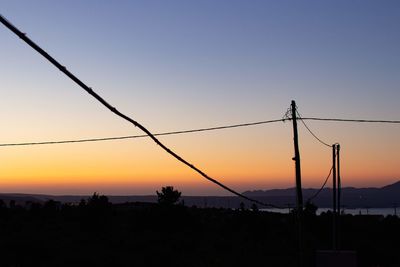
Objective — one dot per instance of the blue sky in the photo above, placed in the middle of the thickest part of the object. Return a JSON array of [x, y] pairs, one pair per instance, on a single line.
[[309, 51]]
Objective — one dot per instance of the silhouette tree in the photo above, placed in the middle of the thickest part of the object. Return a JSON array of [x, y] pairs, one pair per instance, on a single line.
[[168, 196], [98, 201]]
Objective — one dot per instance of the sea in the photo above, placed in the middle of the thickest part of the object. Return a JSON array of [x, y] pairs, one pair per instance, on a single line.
[[357, 211]]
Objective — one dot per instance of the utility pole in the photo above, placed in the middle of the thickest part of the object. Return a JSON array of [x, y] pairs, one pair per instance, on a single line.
[[339, 193], [339, 186], [334, 197], [299, 194], [335, 257]]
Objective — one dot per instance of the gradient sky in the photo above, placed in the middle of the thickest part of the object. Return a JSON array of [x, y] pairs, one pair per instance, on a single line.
[[175, 65]]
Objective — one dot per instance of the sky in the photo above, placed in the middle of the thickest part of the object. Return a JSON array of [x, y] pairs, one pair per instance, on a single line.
[[177, 65]]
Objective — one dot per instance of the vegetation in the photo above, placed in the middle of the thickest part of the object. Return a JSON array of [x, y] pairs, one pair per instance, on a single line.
[[168, 196], [96, 233]]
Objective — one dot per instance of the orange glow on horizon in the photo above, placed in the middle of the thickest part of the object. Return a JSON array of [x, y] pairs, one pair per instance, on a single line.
[[244, 161]]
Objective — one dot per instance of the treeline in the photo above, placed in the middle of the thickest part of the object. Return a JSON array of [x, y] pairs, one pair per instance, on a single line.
[[96, 233]]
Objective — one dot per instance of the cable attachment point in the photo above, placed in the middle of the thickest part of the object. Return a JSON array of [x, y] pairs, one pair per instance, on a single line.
[[287, 115]]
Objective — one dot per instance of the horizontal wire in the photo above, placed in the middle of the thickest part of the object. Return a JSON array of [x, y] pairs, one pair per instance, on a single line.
[[142, 135], [200, 130], [351, 120]]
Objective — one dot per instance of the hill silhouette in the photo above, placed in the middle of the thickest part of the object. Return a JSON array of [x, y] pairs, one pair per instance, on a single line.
[[373, 197]]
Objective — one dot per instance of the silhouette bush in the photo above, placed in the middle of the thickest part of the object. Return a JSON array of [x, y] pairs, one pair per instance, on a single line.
[[168, 196]]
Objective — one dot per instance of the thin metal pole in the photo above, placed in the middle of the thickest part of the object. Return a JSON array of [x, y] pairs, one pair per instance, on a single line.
[[339, 193], [334, 197]]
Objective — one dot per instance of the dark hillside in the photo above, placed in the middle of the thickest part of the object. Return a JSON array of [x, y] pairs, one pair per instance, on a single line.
[[96, 233]]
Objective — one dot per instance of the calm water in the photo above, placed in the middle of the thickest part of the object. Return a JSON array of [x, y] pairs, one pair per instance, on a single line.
[[360, 211]]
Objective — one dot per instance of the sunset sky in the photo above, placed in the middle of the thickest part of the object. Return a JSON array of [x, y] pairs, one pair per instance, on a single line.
[[177, 65]]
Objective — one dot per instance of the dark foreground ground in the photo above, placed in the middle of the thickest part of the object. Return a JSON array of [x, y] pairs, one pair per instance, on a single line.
[[99, 234]]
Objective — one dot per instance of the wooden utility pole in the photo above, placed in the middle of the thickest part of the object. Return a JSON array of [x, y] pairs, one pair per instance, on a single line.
[[334, 197], [299, 194]]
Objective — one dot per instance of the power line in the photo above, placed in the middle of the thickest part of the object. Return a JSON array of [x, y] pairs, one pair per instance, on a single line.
[[118, 113], [141, 136], [322, 187], [351, 120], [196, 130], [311, 132]]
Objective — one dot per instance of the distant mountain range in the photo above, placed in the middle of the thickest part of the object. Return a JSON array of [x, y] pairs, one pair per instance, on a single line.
[[383, 197]]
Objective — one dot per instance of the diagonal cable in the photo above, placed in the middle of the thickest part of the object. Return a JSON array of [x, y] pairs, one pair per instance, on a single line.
[[118, 113], [311, 132], [322, 187]]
